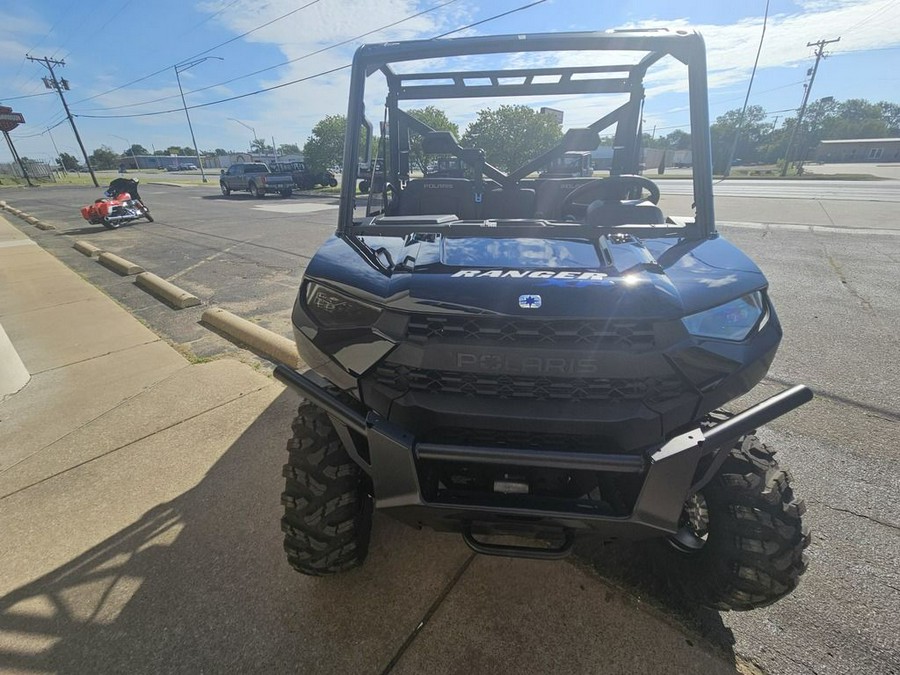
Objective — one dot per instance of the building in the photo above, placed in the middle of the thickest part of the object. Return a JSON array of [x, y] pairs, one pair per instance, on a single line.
[[859, 150]]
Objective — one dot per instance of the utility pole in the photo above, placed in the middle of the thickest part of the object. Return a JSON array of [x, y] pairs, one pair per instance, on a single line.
[[820, 54], [52, 83], [179, 68], [12, 150]]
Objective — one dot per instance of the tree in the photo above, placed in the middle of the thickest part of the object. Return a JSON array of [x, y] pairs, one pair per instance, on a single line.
[[753, 131], [325, 146], [678, 140], [105, 157], [435, 118], [69, 162], [890, 113], [259, 145], [288, 149], [136, 149], [221, 151], [511, 135]]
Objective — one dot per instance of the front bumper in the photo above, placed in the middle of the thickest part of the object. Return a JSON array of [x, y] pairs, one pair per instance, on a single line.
[[669, 472]]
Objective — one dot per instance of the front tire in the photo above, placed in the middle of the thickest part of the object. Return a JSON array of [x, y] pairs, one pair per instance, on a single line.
[[225, 190], [749, 553], [257, 191], [327, 499]]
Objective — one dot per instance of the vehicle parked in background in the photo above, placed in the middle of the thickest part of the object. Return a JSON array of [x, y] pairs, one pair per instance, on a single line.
[[255, 178], [448, 167], [570, 165], [371, 174], [304, 177]]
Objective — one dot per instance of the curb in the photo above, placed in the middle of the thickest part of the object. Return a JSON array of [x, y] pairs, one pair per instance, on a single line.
[[120, 265], [165, 290], [262, 340], [43, 226], [87, 248]]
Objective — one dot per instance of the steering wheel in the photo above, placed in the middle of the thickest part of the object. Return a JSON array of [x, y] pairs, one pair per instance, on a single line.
[[612, 188]]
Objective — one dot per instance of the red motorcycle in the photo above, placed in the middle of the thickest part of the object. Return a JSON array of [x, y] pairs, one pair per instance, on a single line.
[[122, 204]]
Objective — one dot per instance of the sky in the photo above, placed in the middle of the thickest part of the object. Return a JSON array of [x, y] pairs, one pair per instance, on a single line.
[[120, 56]]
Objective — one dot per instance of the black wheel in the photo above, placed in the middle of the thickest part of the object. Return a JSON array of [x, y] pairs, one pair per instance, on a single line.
[[364, 186], [327, 499], [225, 190], [741, 541], [148, 216], [257, 191], [332, 182], [287, 193]]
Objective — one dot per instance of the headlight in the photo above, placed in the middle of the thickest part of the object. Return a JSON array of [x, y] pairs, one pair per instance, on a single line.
[[732, 321], [335, 310]]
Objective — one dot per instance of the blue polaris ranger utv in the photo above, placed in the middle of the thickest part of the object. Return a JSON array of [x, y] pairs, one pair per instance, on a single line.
[[503, 354]]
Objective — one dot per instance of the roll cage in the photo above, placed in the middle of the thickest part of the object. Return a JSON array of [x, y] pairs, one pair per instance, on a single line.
[[685, 46]]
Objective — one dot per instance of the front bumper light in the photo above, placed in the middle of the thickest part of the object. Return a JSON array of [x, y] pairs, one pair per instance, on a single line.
[[732, 321], [336, 310]]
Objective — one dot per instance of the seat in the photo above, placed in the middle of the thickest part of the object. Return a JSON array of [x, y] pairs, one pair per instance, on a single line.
[[510, 203], [438, 196], [630, 212], [550, 193]]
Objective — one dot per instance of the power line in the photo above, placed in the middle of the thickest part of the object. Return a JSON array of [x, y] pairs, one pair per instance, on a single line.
[[16, 98], [99, 29], [301, 79], [740, 124], [496, 16], [871, 16], [284, 63], [221, 44]]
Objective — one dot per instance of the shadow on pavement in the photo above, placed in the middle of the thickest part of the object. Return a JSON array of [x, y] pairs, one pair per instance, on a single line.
[[642, 568], [76, 231], [200, 583]]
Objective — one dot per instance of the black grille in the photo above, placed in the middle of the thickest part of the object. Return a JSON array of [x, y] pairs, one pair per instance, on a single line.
[[525, 387], [613, 334]]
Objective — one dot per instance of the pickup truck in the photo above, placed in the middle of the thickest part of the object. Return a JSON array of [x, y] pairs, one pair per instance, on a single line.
[[255, 178], [305, 178], [571, 164]]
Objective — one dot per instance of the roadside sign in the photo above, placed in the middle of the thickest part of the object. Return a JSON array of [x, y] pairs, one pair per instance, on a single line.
[[9, 120]]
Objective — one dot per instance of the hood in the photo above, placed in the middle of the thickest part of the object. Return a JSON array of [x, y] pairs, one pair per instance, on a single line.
[[552, 276]]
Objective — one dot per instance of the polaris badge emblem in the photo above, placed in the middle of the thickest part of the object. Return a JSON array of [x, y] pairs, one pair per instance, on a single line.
[[529, 301]]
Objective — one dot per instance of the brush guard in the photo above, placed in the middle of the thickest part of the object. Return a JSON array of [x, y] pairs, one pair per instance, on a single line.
[[671, 473]]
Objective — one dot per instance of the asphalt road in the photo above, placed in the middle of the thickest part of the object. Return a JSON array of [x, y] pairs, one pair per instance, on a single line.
[[837, 290]]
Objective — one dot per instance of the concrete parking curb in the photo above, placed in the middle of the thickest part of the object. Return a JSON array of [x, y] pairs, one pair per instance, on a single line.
[[43, 226], [87, 248], [117, 264], [159, 287], [259, 339]]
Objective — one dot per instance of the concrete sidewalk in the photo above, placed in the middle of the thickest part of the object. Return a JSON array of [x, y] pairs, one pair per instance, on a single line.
[[139, 508]]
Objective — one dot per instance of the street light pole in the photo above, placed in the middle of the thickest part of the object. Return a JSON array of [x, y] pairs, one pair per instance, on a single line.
[[59, 159], [252, 130], [179, 68], [133, 158]]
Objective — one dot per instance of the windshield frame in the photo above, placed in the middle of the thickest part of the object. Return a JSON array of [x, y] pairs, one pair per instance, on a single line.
[[685, 46]]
